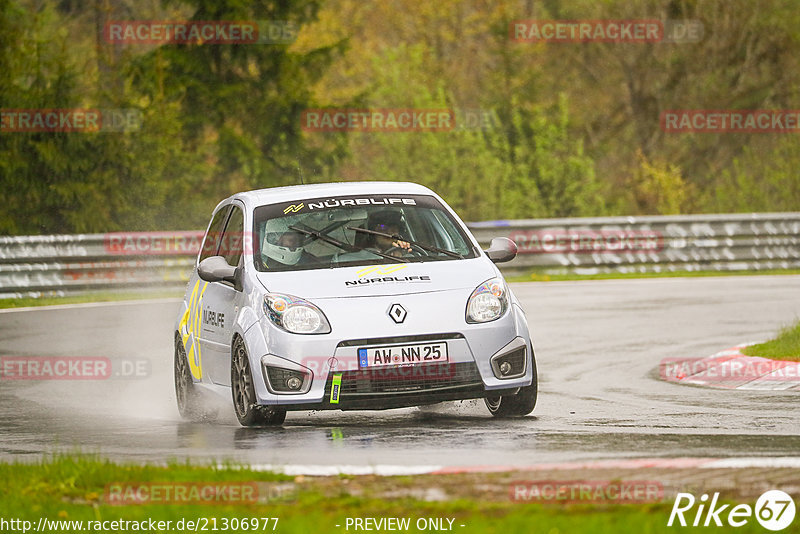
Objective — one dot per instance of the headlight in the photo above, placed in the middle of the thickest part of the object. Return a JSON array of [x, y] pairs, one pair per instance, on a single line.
[[295, 315], [488, 302]]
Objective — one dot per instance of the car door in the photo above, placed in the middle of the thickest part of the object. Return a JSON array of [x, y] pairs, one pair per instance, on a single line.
[[221, 302], [190, 325]]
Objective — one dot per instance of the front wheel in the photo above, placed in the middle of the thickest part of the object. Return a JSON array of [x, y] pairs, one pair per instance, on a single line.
[[247, 410], [522, 403]]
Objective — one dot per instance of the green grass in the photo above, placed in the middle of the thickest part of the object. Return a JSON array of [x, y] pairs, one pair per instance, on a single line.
[[97, 296], [543, 276], [784, 347], [73, 488]]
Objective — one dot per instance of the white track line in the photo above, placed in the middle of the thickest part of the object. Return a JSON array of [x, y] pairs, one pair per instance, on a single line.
[[639, 463], [90, 305], [333, 470], [739, 463]]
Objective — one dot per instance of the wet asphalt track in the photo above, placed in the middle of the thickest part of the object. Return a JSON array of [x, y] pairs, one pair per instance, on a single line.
[[598, 346]]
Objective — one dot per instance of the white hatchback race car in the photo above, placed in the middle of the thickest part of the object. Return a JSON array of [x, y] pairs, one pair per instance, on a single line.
[[351, 296]]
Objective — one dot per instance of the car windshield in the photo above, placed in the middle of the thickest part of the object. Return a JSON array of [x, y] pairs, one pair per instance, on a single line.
[[356, 230]]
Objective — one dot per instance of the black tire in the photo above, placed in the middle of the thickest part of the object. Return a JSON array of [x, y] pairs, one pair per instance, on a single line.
[[244, 396], [188, 399], [517, 405]]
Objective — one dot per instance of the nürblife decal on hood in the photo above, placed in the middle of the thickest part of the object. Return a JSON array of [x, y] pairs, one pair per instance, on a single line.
[[377, 274], [383, 279]]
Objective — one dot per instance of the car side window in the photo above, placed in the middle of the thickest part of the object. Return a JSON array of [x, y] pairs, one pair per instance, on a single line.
[[212, 238], [232, 238]]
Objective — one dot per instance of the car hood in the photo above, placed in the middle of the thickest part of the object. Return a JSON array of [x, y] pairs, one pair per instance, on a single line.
[[381, 280]]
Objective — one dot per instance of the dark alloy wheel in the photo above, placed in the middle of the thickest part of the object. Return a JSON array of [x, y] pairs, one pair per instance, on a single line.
[[247, 410]]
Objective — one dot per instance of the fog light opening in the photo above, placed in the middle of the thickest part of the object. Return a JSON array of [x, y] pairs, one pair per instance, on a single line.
[[289, 381], [510, 362]]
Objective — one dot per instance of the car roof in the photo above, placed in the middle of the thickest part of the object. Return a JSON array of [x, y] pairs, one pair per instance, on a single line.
[[274, 195]]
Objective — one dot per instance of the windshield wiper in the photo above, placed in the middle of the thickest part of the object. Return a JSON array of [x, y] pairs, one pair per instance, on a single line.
[[342, 245], [397, 237]]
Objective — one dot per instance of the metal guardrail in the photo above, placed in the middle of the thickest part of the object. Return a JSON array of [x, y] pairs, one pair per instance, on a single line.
[[719, 242], [57, 265], [63, 264]]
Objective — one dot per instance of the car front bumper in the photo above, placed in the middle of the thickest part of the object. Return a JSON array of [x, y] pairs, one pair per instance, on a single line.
[[469, 372]]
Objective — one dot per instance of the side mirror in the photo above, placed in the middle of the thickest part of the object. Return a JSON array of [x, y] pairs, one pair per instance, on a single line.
[[216, 269], [501, 250]]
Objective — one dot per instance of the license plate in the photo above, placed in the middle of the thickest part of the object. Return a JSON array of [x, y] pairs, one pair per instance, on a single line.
[[419, 353]]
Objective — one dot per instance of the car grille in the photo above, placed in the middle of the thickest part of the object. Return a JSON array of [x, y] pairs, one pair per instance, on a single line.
[[380, 382]]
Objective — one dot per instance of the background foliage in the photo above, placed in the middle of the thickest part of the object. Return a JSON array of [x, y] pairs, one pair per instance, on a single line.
[[572, 129]]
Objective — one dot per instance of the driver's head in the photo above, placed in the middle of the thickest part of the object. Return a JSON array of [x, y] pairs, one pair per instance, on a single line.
[[384, 220], [387, 222], [284, 247], [291, 240]]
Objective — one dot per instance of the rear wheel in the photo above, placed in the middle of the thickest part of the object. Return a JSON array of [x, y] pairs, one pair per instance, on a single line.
[[247, 410], [522, 403]]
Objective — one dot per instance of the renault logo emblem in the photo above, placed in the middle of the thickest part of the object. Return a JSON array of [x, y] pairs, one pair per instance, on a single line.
[[397, 313]]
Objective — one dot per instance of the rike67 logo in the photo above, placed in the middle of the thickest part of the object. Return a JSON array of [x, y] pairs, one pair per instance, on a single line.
[[774, 510]]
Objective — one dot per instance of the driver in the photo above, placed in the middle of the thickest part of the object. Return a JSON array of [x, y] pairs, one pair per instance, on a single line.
[[387, 222], [281, 249]]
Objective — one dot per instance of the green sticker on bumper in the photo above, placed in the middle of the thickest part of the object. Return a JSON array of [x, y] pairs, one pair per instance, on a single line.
[[336, 385]]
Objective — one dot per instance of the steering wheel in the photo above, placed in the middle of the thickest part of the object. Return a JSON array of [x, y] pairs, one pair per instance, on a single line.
[[415, 250]]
